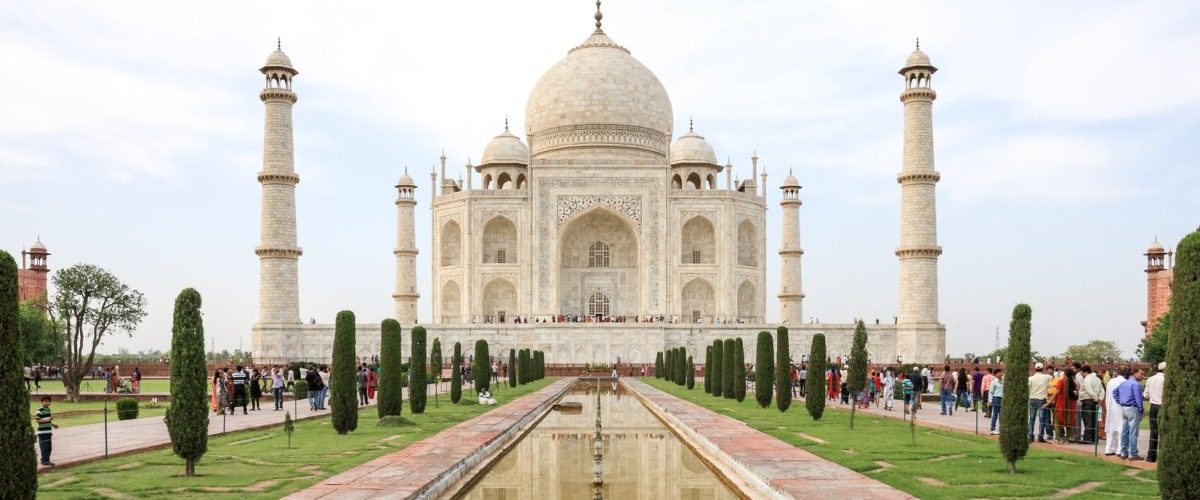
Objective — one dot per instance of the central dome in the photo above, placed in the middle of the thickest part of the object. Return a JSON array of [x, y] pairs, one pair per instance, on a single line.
[[599, 97]]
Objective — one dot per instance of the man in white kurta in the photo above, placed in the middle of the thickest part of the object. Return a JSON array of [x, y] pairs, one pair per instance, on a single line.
[[1112, 416]]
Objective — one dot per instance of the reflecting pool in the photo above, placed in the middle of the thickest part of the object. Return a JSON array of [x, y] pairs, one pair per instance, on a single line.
[[640, 458]]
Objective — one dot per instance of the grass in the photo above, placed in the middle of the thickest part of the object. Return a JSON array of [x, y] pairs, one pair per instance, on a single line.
[[259, 464], [943, 464], [68, 414], [96, 386]]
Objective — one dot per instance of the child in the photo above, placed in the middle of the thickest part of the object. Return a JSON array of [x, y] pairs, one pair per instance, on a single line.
[[46, 424], [907, 384]]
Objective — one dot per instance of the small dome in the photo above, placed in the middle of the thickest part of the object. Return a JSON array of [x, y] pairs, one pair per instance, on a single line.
[[918, 58], [405, 180], [692, 148], [790, 182], [278, 59], [505, 148], [1155, 247], [39, 247]]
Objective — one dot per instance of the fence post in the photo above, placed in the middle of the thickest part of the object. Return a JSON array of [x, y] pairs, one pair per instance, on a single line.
[[106, 426]]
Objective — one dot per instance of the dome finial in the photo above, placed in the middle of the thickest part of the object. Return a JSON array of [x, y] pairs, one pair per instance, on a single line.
[[690, 124], [918, 43], [598, 15], [278, 43], [506, 123]]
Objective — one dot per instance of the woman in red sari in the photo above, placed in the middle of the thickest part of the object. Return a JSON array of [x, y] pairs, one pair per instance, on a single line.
[[372, 381], [212, 387], [1064, 405]]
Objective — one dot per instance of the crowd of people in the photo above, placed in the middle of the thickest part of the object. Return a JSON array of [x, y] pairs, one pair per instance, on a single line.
[[602, 318]]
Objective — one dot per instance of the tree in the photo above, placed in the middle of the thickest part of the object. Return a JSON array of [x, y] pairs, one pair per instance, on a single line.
[[18, 464], [783, 373], [1153, 349], [764, 369], [718, 360], [343, 381], [857, 373], [41, 339], [288, 427], [1014, 406], [523, 373], [418, 372], [483, 370], [391, 388], [727, 369], [89, 304], [435, 367], [1093, 351], [691, 374], [512, 368], [1179, 416], [669, 365], [658, 364], [1001, 354], [707, 367], [739, 370], [187, 417], [541, 365], [681, 370], [456, 374], [814, 386]]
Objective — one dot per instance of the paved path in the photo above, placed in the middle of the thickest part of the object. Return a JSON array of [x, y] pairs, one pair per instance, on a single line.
[[440, 460], [964, 421], [85, 443], [781, 467]]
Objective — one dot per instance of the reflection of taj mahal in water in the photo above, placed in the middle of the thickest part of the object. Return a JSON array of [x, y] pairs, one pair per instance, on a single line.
[[601, 217]]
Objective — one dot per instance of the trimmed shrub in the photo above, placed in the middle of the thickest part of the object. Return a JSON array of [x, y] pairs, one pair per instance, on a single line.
[[728, 369], [783, 373], [718, 360], [1179, 444], [764, 373], [512, 368], [127, 409], [391, 388], [691, 374], [814, 387], [739, 370], [658, 364], [540, 366], [187, 415], [299, 389], [343, 381], [681, 370], [483, 369], [18, 461], [669, 365], [435, 361], [1014, 406], [857, 373], [456, 361], [523, 366], [707, 369], [418, 372]]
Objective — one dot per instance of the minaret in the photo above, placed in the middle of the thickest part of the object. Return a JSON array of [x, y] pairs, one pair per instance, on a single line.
[[791, 294], [278, 254], [406, 252], [32, 280], [917, 336], [1159, 273]]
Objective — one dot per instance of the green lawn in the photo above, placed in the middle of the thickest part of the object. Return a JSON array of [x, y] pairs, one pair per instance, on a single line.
[[259, 464], [943, 464], [90, 412], [96, 386]]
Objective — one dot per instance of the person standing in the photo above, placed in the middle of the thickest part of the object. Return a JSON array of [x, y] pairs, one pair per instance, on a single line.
[[947, 390], [889, 388], [373, 381], [313, 382], [987, 380], [1154, 393], [45, 427], [926, 378], [324, 375], [1112, 415], [803, 377], [28, 377], [1091, 392], [255, 389], [362, 385], [239, 389], [37, 379], [277, 385], [977, 390], [1039, 384], [962, 390], [1129, 396], [996, 390], [136, 379], [907, 386]]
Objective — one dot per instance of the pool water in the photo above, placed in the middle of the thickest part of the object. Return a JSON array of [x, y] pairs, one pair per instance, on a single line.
[[642, 459]]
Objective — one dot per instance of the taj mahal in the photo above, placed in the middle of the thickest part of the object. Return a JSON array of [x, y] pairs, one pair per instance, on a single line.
[[596, 233]]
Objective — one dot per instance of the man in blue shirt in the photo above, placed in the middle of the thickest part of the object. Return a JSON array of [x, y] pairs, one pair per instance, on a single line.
[[1129, 396]]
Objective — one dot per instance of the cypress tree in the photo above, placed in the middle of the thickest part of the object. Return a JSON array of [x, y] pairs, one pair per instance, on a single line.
[[681, 375], [391, 389], [669, 365], [857, 373], [691, 374], [483, 372], [1014, 406], [435, 367], [187, 417], [523, 366], [18, 463], [512, 368], [764, 369], [658, 364], [1179, 416], [739, 370], [418, 372], [814, 386], [718, 360], [456, 361], [707, 369], [783, 374], [343, 382], [728, 368], [541, 365]]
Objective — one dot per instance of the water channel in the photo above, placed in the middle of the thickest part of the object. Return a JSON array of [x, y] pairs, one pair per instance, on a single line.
[[640, 458]]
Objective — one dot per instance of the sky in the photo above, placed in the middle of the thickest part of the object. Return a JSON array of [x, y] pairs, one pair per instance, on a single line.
[[1066, 136]]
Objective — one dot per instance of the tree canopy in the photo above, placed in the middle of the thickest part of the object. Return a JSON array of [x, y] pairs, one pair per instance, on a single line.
[[1153, 349], [1093, 350]]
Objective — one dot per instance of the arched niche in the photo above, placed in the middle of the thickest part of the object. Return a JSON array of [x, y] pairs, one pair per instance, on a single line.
[[598, 252], [450, 249], [499, 301], [697, 300], [747, 301], [451, 299], [747, 244], [499, 241], [698, 241]]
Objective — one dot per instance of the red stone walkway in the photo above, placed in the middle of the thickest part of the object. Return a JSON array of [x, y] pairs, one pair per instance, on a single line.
[[429, 466], [778, 468]]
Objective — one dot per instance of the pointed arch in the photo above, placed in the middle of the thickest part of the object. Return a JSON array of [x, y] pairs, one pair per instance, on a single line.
[[499, 300], [747, 244], [450, 244], [747, 302], [698, 300], [451, 302], [487, 181], [694, 182], [520, 181], [499, 241], [712, 181], [676, 182], [698, 241], [503, 181]]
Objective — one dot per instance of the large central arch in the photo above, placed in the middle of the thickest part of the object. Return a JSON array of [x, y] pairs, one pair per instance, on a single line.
[[598, 253]]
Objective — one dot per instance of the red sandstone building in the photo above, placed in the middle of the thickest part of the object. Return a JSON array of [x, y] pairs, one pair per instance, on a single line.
[[1159, 272], [32, 277]]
